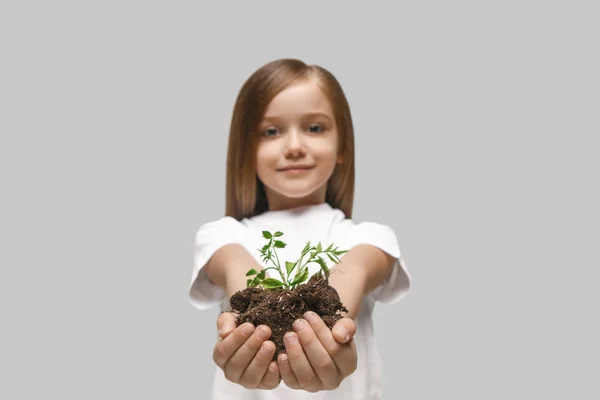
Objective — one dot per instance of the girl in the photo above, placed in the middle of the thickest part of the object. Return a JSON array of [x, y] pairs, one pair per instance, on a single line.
[[290, 168]]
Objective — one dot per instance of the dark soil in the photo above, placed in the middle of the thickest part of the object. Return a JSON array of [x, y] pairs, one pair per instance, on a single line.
[[279, 308]]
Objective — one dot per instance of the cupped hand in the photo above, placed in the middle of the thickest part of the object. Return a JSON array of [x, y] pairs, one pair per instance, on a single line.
[[318, 358], [245, 355]]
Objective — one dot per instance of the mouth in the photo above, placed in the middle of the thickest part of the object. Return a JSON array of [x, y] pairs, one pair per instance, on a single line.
[[295, 170]]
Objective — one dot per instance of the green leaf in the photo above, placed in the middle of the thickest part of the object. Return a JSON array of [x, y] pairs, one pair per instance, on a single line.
[[267, 234], [251, 272], [301, 278], [248, 282], [271, 283], [319, 247], [329, 248], [279, 244], [300, 272], [261, 275], [265, 248], [289, 266], [334, 258], [322, 263], [306, 248], [278, 233]]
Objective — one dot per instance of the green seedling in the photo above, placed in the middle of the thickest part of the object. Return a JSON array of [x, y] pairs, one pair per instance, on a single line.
[[294, 273]]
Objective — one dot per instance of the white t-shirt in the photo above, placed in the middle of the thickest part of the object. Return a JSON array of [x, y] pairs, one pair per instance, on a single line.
[[302, 224]]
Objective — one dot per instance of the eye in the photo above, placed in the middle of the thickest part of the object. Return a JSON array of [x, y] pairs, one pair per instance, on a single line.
[[316, 128], [271, 132]]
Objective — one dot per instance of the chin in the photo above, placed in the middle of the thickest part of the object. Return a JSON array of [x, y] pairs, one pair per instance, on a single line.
[[297, 193]]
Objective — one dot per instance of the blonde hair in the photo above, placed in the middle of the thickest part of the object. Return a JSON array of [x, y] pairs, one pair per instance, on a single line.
[[245, 193]]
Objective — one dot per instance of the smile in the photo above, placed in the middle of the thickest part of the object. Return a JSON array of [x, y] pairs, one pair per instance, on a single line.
[[296, 170]]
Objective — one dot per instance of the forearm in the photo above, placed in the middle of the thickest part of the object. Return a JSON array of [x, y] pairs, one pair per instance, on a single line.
[[228, 266], [359, 272]]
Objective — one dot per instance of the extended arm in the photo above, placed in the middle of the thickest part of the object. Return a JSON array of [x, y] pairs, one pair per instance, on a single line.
[[359, 272], [228, 266], [317, 362], [244, 353]]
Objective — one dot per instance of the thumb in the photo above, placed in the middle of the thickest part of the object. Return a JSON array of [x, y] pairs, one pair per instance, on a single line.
[[226, 324], [344, 330]]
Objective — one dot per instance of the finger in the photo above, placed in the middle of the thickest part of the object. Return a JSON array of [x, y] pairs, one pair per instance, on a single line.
[[317, 355], [343, 355], [344, 330], [225, 348], [285, 370], [271, 379], [241, 359], [347, 360], [226, 324], [306, 376], [253, 375]]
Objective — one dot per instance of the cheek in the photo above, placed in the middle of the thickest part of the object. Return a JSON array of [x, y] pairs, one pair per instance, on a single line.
[[328, 152], [268, 150], [265, 159]]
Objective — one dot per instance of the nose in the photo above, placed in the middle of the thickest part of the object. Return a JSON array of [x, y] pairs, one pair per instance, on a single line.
[[295, 146]]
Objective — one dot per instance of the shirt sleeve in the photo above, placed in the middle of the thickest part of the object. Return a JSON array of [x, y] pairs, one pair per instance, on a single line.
[[396, 286], [209, 238]]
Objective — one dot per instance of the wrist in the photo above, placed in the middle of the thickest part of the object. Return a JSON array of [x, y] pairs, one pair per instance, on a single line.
[[235, 278], [228, 266], [350, 285]]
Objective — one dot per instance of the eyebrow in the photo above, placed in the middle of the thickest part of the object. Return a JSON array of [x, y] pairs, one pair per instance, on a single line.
[[309, 115]]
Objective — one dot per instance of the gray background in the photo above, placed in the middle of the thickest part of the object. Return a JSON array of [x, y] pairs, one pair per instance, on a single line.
[[476, 133]]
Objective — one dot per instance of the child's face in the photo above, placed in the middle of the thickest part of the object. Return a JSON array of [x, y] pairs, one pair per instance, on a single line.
[[298, 130]]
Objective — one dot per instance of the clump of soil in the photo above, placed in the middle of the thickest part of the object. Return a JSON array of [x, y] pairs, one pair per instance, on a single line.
[[279, 308]]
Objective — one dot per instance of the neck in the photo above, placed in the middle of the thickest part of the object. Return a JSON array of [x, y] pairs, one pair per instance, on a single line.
[[278, 202]]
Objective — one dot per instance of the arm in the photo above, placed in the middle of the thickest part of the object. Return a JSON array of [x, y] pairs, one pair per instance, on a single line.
[[321, 358], [228, 266], [243, 353], [359, 272]]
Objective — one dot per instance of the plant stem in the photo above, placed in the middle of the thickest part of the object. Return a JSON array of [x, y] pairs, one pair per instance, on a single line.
[[279, 269], [299, 265], [307, 261]]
